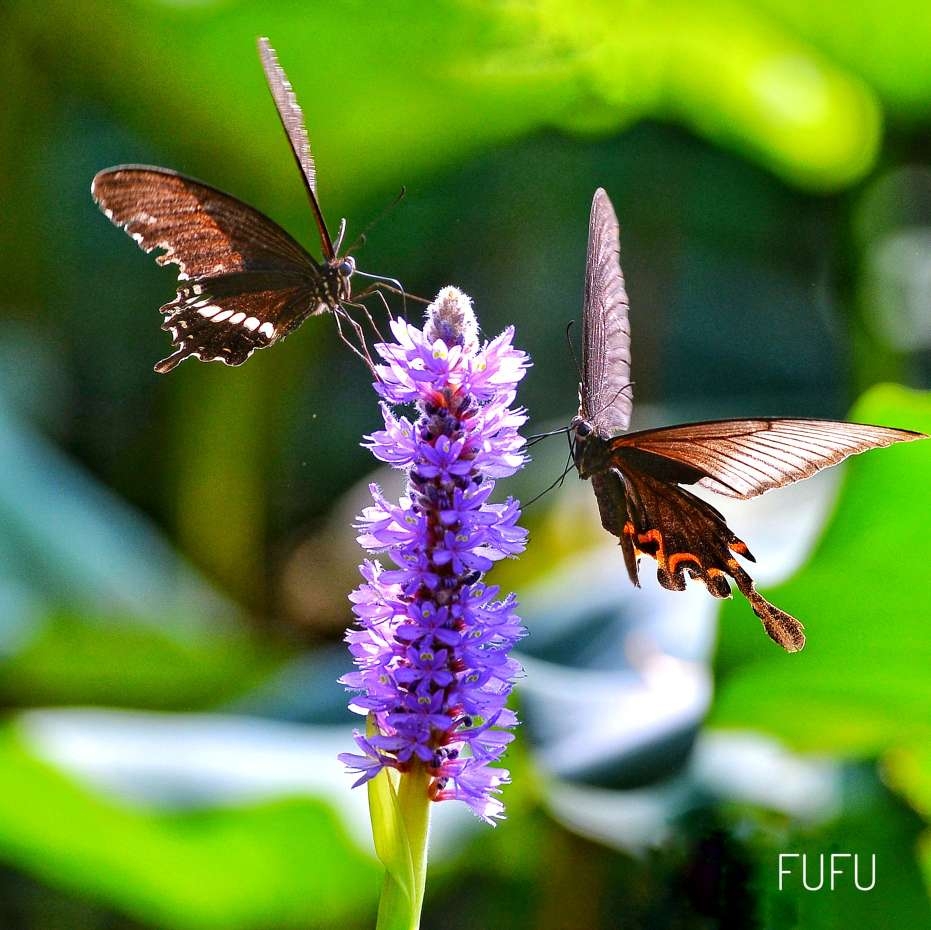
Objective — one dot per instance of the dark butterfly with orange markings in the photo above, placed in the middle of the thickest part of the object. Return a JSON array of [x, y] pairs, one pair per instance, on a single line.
[[641, 479], [244, 283]]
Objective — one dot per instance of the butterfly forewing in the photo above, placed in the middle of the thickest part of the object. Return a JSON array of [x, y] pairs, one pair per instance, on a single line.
[[292, 119], [202, 230], [244, 282], [605, 392], [744, 458]]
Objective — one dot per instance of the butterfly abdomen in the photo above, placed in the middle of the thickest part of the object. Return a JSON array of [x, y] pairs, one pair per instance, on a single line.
[[612, 507]]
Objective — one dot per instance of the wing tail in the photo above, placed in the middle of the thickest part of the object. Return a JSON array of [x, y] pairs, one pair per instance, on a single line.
[[782, 628], [174, 360]]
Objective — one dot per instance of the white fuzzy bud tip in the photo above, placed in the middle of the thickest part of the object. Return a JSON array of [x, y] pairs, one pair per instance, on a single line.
[[450, 317]]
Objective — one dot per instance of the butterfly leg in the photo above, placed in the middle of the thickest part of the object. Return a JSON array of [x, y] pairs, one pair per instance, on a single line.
[[364, 308], [377, 288], [362, 353]]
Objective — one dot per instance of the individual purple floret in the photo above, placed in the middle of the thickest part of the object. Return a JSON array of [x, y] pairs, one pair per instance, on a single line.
[[432, 641]]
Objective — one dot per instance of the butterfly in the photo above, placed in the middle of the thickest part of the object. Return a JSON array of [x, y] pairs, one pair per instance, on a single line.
[[243, 282], [641, 480]]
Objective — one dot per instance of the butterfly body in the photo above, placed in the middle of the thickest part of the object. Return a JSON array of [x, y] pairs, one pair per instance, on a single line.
[[641, 480], [243, 282]]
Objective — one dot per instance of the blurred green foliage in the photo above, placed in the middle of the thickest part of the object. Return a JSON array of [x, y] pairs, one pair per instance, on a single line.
[[242, 867], [81, 660], [761, 155], [861, 689], [869, 640]]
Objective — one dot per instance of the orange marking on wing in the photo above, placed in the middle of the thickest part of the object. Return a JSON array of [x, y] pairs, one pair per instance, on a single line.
[[651, 536], [657, 537], [678, 557], [629, 528], [739, 547]]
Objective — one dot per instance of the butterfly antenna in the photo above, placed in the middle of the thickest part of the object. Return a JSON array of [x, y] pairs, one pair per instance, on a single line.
[[538, 437], [381, 282], [617, 394], [340, 235], [360, 239], [557, 483]]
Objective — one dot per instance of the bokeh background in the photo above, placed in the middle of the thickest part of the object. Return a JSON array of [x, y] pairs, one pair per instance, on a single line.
[[175, 552]]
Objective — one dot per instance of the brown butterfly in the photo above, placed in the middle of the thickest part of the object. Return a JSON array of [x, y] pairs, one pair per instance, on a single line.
[[638, 478], [244, 283]]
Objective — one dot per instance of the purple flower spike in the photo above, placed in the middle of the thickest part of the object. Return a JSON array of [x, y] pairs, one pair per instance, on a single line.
[[432, 640]]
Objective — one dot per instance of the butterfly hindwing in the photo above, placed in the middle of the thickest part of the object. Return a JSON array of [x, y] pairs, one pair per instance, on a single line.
[[226, 319], [612, 507], [688, 537], [243, 282]]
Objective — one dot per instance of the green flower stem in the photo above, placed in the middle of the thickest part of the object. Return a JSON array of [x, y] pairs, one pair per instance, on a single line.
[[400, 810], [415, 811]]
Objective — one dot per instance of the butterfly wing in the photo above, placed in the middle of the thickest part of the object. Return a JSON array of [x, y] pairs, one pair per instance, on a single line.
[[739, 458], [687, 535], [292, 119], [202, 230], [744, 458], [244, 282], [226, 319], [605, 398]]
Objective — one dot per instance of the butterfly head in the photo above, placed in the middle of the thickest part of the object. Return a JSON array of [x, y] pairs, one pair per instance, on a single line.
[[583, 445], [345, 268]]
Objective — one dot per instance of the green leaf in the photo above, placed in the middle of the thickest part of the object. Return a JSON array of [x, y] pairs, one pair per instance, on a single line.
[[883, 42], [909, 772], [861, 683], [285, 863], [391, 843]]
